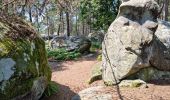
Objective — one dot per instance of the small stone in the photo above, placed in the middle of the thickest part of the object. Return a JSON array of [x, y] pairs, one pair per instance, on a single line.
[[132, 83]]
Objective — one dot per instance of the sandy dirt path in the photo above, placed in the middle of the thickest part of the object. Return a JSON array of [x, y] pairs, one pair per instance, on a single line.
[[72, 76]]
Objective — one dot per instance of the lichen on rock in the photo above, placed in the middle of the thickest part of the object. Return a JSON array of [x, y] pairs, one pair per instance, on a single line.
[[6, 66]]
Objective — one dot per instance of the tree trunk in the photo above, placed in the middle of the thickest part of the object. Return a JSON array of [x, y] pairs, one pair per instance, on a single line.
[[165, 12], [0, 4], [63, 22], [59, 25], [48, 28], [68, 24], [14, 10], [24, 8], [76, 25], [83, 27], [6, 6], [37, 20], [30, 13]]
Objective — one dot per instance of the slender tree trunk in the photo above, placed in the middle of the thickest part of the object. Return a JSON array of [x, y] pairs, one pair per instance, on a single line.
[[86, 29], [37, 16], [51, 27], [23, 8], [83, 27], [23, 11], [48, 28], [6, 6], [76, 25], [68, 23], [58, 31], [63, 22], [30, 13], [165, 12], [90, 25], [15, 8], [0, 4]]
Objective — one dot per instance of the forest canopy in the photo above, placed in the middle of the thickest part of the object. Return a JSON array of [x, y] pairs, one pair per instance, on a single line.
[[64, 17], [70, 17]]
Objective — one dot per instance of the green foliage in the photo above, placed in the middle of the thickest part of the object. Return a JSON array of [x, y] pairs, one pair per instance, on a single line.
[[96, 46], [62, 54], [51, 89], [99, 13]]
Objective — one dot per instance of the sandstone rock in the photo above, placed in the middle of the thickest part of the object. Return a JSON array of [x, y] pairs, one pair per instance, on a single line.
[[135, 41], [132, 83], [161, 47], [93, 93], [24, 70]]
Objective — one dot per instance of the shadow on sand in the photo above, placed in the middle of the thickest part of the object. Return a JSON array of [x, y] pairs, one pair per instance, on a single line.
[[160, 82], [64, 93]]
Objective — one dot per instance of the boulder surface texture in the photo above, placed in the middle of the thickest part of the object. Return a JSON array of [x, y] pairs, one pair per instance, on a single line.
[[93, 93], [135, 42], [24, 70]]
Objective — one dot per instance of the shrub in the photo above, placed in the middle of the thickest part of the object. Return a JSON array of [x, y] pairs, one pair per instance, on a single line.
[[96, 46], [51, 89], [62, 54]]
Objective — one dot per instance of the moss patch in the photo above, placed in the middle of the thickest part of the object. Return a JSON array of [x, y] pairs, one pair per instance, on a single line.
[[96, 73]]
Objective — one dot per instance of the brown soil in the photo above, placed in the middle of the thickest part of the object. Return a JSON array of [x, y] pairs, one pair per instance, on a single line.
[[72, 76]]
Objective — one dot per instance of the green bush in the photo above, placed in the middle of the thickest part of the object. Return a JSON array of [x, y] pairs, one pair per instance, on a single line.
[[62, 54], [96, 46], [51, 89]]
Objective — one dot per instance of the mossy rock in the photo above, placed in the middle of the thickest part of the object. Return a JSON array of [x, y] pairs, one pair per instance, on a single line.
[[24, 70], [84, 45], [99, 57], [96, 73], [132, 83]]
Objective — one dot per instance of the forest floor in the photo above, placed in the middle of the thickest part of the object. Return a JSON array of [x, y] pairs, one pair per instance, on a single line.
[[72, 77]]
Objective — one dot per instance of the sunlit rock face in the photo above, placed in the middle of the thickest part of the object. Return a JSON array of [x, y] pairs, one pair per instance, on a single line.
[[24, 71], [135, 41]]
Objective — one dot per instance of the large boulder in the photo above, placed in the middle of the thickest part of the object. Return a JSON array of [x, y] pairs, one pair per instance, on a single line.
[[81, 44], [96, 37], [161, 47], [24, 70], [135, 41]]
